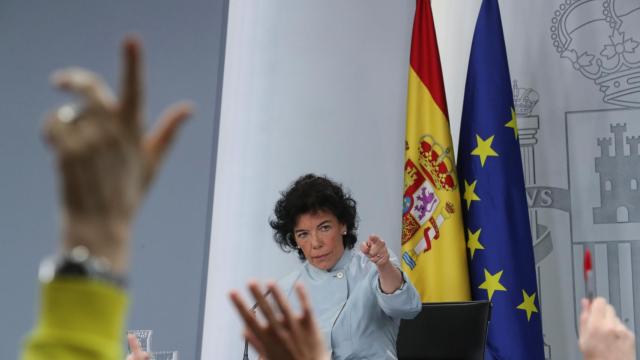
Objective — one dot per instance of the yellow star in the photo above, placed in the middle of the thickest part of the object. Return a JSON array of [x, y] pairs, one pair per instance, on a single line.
[[474, 241], [469, 192], [513, 123], [528, 304], [492, 283], [484, 150]]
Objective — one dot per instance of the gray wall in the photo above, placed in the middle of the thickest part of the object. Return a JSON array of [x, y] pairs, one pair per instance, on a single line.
[[184, 43]]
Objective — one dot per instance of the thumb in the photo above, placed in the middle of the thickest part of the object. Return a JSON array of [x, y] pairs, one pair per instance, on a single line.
[[134, 345], [374, 239], [160, 139], [365, 247], [584, 314]]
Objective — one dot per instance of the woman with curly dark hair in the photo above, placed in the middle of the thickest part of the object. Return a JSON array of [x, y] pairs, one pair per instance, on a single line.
[[358, 295]]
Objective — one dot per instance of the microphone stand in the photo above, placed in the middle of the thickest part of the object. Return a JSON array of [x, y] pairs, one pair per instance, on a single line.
[[246, 350], [245, 356]]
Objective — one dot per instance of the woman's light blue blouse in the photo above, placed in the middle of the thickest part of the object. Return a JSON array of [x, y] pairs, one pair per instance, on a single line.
[[357, 319]]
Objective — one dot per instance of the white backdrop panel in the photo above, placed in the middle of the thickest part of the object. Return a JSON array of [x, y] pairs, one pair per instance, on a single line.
[[313, 87]]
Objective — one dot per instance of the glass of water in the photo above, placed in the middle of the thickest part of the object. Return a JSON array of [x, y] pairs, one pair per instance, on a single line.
[[164, 355]]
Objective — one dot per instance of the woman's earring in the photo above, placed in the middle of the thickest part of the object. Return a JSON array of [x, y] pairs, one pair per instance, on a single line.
[[344, 233]]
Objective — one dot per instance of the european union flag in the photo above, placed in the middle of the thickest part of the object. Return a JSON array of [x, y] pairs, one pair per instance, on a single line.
[[501, 262]]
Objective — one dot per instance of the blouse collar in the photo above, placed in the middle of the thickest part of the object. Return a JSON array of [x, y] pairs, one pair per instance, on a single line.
[[344, 261]]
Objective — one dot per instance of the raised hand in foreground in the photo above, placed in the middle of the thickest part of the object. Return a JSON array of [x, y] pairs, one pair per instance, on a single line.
[[602, 335], [105, 159], [283, 335], [106, 162]]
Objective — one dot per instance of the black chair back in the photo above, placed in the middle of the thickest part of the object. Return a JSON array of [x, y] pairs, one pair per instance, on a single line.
[[445, 331]]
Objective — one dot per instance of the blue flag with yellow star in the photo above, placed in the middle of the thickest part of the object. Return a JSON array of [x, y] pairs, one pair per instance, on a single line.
[[501, 263]]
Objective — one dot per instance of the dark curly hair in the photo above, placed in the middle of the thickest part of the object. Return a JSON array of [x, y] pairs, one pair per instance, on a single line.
[[309, 194]]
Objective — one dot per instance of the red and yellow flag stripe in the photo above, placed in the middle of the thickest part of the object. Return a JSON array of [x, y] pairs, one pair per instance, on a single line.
[[433, 245]]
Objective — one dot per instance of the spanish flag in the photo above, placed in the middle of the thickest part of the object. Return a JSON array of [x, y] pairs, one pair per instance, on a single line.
[[433, 245]]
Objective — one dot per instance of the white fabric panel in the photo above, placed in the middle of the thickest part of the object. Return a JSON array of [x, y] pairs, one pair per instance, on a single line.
[[309, 87]]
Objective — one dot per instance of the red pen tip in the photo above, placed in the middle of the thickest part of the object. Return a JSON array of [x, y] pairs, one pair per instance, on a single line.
[[587, 261]]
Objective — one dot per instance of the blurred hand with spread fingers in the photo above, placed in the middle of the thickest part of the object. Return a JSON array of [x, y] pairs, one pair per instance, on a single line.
[[106, 160], [283, 335]]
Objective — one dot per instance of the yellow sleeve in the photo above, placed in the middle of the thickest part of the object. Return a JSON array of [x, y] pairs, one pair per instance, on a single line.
[[79, 319]]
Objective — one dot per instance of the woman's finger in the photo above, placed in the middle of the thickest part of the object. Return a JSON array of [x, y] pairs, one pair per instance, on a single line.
[[134, 345], [584, 315], [284, 307], [264, 305], [376, 252], [307, 315], [87, 85], [136, 350], [160, 139], [247, 315], [256, 342], [586, 304], [374, 239], [598, 310], [378, 248], [364, 247], [610, 312], [131, 85]]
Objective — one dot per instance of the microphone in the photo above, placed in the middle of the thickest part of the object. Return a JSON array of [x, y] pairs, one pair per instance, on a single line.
[[245, 356], [589, 280]]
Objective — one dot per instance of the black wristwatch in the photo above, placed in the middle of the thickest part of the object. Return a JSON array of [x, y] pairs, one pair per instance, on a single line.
[[78, 263]]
